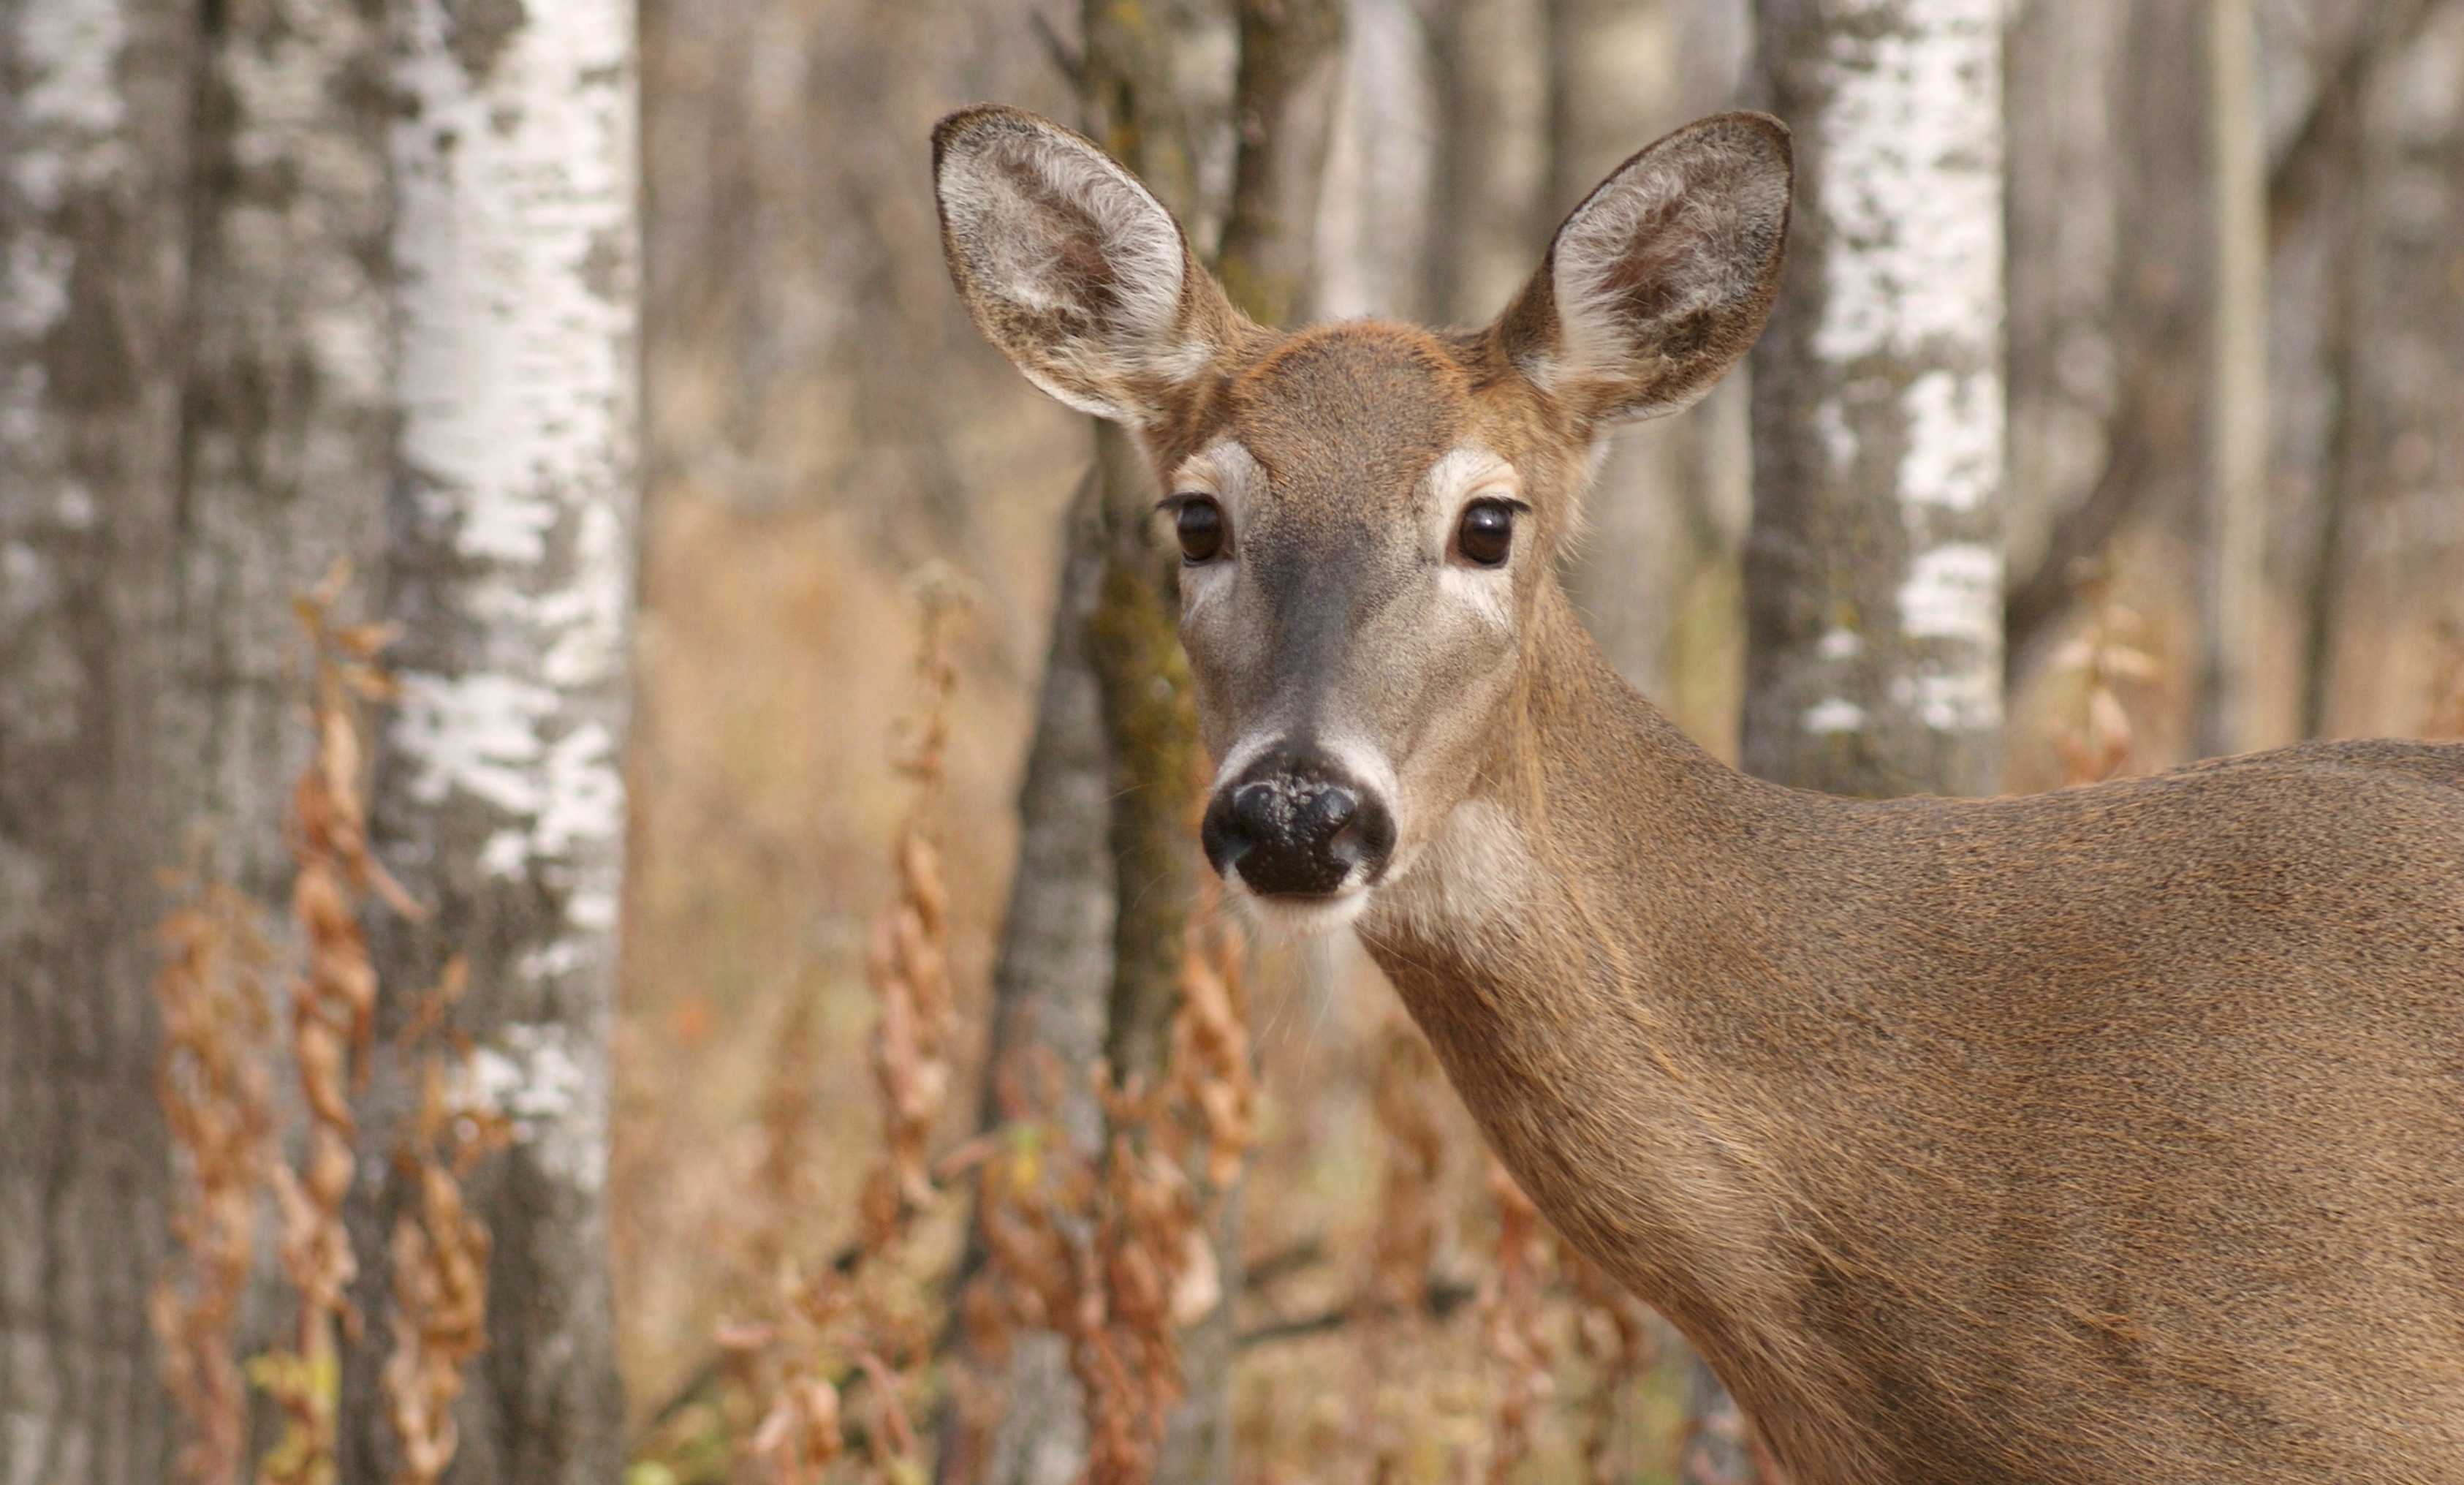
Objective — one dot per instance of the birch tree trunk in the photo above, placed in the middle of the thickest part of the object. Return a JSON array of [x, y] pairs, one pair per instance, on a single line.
[[95, 109], [1874, 570], [500, 801], [1382, 179], [2232, 544]]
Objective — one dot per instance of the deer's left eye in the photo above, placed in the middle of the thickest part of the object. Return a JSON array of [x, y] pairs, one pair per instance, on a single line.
[[1486, 534], [1198, 523]]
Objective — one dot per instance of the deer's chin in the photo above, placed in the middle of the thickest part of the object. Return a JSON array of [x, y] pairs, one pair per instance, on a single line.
[[1301, 918]]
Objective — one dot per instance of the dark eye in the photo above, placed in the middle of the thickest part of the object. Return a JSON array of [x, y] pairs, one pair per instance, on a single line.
[[1199, 522], [1486, 534]]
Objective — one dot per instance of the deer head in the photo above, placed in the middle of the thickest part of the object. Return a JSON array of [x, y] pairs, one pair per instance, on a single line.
[[1368, 513]]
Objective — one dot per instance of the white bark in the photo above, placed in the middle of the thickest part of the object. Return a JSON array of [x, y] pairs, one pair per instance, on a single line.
[[1380, 169], [1875, 573], [515, 243]]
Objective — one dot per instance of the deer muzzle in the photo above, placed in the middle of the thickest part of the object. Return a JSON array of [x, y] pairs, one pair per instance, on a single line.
[[1294, 825]]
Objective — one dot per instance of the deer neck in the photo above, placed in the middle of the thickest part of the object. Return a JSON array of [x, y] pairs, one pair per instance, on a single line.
[[1577, 941]]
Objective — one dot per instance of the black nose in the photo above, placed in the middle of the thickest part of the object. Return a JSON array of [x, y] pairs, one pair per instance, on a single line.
[[1296, 827]]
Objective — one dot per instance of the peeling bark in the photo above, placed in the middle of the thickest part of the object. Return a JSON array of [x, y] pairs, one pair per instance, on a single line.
[[1874, 571], [499, 800]]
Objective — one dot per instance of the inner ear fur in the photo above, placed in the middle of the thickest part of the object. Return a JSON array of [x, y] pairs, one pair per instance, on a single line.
[[1071, 267], [1657, 283]]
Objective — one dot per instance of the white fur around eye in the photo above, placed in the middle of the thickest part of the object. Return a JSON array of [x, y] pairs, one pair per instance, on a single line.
[[1462, 476], [1231, 475]]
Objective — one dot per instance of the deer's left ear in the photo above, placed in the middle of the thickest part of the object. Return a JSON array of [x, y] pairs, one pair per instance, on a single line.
[[1663, 277]]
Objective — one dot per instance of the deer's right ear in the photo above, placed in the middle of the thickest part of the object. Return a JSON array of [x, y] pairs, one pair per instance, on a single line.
[[1071, 267]]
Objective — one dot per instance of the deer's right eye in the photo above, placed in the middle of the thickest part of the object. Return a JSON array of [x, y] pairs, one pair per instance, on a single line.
[[1199, 522]]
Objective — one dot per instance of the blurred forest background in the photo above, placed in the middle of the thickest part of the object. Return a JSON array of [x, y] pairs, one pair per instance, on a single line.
[[691, 1185]]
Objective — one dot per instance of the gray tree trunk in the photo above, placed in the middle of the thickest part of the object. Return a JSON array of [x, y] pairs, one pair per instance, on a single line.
[[1874, 572], [1075, 979], [2403, 504], [1159, 101], [289, 417], [2232, 547], [1494, 185], [288, 433], [1668, 508], [2063, 67], [499, 800], [96, 106], [1049, 982]]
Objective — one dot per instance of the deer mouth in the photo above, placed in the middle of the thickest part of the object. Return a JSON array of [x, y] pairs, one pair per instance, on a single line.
[[1300, 916]]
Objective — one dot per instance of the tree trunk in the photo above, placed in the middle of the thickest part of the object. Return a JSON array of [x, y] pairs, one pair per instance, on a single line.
[[1148, 111], [1374, 234], [1146, 69], [95, 111], [1115, 744], [1284, 99], [1668, 509], [1493, 181], [288, 434], [1049, 993], [2232, 532], [2405, 541], [288, 420], [1102, 809], [1874, 572], [499, 800]]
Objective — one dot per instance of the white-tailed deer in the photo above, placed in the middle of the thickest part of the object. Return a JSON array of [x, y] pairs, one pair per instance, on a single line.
[[2114, 1135]]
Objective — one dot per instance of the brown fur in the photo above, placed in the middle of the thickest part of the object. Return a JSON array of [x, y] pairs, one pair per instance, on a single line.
[[2111, 1136]]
